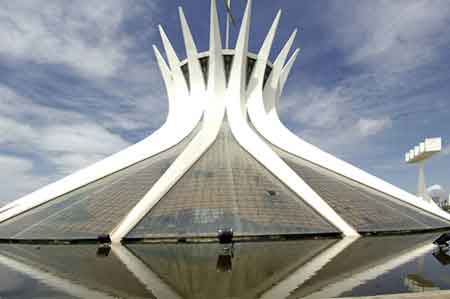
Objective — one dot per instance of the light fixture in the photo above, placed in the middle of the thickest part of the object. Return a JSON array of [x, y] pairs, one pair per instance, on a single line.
[[225, 236]]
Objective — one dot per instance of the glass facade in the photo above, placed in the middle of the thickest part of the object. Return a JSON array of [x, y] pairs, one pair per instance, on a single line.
[[94, 209], [366, 209], [227, 188]]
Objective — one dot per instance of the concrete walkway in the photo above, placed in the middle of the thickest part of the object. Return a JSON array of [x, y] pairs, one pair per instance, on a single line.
[[425, 295]]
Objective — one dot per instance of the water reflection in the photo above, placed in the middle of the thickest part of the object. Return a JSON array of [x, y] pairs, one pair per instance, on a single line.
[[291, 269], [442, 256], [225, 260], [74, 270]]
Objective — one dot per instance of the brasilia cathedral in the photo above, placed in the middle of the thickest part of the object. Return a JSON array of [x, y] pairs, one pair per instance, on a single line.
[[222, 160]]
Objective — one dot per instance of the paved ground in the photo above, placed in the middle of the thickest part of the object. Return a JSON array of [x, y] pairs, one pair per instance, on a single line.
[[426, 295]]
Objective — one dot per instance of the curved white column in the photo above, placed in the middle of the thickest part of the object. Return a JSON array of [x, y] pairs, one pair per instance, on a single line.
[[185, 112], [250, 141], [264, 116], [212, 122], [197, 82]]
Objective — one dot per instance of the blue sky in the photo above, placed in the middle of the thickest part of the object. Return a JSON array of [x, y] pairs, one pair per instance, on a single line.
[[78, 80]]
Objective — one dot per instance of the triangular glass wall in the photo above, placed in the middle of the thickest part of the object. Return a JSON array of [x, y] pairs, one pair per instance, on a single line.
[[94, 209], [366, 209], [227, 188]]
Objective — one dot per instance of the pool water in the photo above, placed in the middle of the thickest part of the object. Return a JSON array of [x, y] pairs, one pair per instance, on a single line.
[[316, 268]]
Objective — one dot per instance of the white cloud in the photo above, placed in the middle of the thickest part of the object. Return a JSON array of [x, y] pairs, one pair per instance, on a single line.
[[86, 137], [51, 129], [391, 34], [367, 127], [66, 162], [81, 34], [332, 118], [434, 187], [437, 193], [17, 177], [91, 40], [385, 44], [71, 147], [16, 132], [320, 108], [66, 140]]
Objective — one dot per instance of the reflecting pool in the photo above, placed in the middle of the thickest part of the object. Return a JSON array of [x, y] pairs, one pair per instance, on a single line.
[[320, 268]]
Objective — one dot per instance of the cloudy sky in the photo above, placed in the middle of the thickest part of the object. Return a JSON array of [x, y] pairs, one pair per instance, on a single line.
[[78, 80]]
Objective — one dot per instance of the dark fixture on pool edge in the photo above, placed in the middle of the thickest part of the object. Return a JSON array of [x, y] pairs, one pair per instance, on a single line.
[[225, 236], [442, 241], [225, 258], [104, 239], [104, 249]]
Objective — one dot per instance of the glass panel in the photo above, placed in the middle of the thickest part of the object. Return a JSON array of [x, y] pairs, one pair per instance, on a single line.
[[203, 270], [95, 208], [362, 207], [227, 188], [227, 61]]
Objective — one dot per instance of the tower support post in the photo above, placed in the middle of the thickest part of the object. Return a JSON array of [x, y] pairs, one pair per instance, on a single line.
[[421, 183]]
